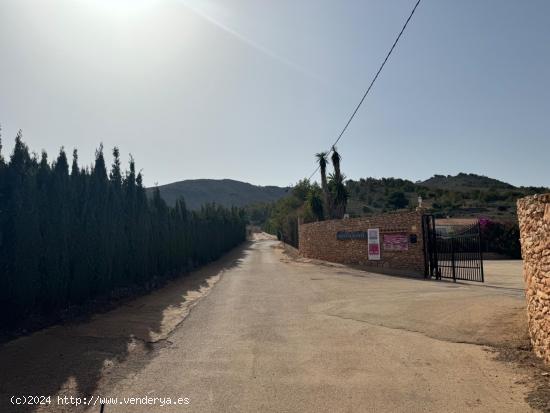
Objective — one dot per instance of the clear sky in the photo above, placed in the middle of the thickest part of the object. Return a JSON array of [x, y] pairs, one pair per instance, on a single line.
[[251, 89]]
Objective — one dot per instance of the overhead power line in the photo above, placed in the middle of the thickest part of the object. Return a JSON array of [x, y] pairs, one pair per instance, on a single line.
[[371, 84]]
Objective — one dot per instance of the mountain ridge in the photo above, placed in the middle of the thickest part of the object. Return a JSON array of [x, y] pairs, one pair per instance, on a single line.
[[225, 192], [446, 192]]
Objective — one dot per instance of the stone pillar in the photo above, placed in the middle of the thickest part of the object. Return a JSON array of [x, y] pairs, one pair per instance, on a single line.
[[534, 222]]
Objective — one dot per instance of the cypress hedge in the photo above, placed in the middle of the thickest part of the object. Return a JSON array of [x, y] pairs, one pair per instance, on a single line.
[[70, 234]]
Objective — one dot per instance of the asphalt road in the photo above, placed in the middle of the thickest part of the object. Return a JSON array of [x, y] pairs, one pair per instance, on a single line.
[[261, 332]]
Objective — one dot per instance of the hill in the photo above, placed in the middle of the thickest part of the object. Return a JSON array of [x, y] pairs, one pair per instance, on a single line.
[[226, 192], [463, 181], [462, 195]]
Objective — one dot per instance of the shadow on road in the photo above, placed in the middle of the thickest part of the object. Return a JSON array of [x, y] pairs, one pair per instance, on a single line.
[[72, 359]]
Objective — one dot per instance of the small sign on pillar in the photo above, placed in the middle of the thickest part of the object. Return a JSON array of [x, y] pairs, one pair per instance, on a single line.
[[374, 244]]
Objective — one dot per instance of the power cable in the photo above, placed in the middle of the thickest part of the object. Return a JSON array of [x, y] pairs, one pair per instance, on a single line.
[[370, 86]]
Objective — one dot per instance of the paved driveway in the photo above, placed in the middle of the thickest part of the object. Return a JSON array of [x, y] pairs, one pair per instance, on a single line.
[[279, 335]]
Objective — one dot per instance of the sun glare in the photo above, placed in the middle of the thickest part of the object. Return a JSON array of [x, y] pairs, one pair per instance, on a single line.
[[123, 7]]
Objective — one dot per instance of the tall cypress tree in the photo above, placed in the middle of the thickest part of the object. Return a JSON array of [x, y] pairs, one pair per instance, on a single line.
[[3, 216], [79, 263], [142, 224], [60, 218], [96, 222], [22, 233], [117, 235], [74, 164], [47, 231]]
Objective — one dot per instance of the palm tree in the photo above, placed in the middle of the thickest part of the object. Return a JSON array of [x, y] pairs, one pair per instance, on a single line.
[[336, 163], [323, 162], [340, 195]]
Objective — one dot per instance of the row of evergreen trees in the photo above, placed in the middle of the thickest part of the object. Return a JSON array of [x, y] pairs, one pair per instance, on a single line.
[[69, 234]]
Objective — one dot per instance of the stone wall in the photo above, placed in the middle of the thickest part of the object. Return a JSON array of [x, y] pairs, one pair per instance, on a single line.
[[534, 222], [318, 240]]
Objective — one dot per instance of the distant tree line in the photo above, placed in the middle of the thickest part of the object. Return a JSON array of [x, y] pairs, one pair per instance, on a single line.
[[69, 234], [445, 196]]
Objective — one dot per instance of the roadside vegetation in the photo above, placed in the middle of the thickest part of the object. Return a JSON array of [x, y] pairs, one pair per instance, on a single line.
[[70, 234], [306, 202], [460, 196]]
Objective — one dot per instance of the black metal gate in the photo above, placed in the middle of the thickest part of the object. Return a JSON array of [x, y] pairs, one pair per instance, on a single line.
[[453, 252]]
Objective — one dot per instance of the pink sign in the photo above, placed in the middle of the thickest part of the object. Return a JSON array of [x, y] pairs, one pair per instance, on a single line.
[[396, 242]]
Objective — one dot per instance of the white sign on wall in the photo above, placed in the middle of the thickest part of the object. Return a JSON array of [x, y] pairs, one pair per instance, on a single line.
[[374, 244]]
